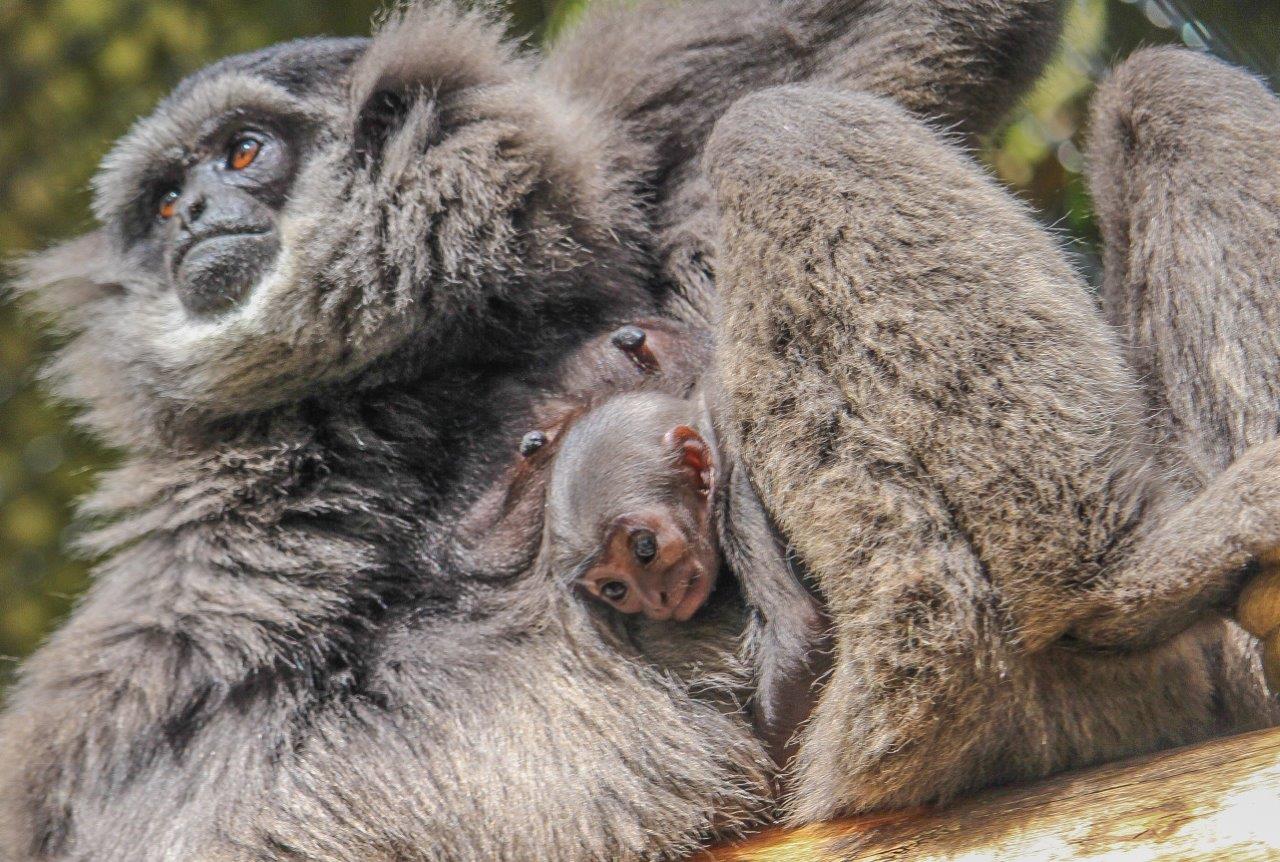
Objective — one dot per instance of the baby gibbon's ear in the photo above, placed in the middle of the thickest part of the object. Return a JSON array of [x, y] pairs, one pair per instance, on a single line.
[[693, 454]]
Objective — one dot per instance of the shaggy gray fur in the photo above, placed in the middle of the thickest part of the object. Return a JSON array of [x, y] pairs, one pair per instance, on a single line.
[[950, 437], [668, 72], [1192, 230], [287, 652]]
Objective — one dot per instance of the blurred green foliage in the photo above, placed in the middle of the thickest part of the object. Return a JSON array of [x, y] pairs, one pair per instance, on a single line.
[[75, 73]]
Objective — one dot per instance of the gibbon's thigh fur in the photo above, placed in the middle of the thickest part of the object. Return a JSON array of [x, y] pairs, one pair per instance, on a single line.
[[955, 445], [290, 650]]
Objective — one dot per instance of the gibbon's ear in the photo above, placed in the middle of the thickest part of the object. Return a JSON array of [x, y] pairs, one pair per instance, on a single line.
[[421, 55], [693, 456], [382, 113]]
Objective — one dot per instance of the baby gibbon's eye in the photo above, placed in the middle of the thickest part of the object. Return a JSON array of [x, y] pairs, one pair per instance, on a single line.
[[644, 544], [168, 203], [243, 150], [614, 591]]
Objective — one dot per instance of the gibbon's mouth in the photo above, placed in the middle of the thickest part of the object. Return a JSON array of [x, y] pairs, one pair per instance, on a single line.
[[207, 242], [217, 271], [697, 590]]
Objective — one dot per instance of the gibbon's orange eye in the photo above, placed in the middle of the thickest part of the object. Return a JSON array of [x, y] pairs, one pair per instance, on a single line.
[[168, 204], [243, 151]]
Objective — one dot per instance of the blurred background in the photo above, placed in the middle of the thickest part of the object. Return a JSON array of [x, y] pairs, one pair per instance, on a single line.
[[75, 73]]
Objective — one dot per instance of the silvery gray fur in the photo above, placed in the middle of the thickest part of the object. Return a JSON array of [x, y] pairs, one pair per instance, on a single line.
[[288, 653], [1026, 567]]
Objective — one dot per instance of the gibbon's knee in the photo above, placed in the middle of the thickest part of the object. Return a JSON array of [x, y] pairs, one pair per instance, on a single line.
[[1167, 109], [786, 131], [1170, 103]]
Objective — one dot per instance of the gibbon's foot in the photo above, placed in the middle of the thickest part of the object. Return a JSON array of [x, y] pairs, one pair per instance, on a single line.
[[1258, 612]]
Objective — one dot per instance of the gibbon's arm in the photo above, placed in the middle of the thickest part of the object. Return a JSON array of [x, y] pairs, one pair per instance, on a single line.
[[670, 70], [1187, 561]]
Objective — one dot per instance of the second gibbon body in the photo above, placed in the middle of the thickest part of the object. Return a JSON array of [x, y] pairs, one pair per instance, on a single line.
[[643, 504], [955, 447]]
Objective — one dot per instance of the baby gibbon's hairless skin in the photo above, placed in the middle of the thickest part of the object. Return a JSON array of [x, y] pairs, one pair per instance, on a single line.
[[331, 281], [642, 512], [952, 442]]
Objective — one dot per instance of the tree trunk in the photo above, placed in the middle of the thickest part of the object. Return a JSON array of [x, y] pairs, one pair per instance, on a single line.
[[1217, 801]]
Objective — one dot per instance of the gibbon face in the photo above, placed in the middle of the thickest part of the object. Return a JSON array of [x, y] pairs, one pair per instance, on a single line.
[[209, 221], [338, 213]]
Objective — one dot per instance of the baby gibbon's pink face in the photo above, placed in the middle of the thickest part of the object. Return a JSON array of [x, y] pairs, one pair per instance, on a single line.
[[662, 561]]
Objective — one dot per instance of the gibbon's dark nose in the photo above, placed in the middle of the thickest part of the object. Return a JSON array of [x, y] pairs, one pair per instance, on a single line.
[[190, 208], [224, 242], [644, 546]]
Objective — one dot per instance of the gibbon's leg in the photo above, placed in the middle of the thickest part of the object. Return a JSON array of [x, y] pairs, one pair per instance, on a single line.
[[912, 373], [1184, 166], [949, 437]]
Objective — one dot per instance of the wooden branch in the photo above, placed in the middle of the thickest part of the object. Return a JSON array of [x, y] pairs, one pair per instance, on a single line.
[[1217, 801]]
